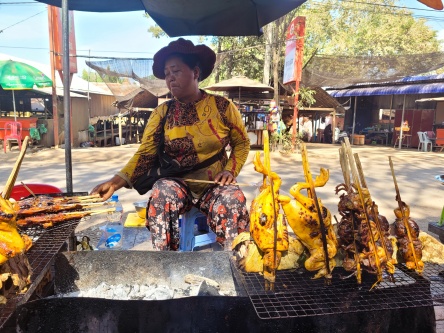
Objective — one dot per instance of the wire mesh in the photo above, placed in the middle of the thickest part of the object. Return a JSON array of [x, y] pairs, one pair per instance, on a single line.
[[296, 294], [128, 78], [343, 71], [49, 242]]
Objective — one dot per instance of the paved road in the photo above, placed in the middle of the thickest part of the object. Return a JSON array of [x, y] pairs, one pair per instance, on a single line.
[[415, 173]]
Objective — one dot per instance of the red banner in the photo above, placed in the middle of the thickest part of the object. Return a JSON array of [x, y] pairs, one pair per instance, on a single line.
[[294, 50], [55, 38]]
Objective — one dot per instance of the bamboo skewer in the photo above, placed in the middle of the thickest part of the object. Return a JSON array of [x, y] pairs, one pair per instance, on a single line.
[[28, 189], [346, 172], [213, 182], [389, 266], [313, 196], [356, 182], [91, 212], [13, 176], [267, 164], [404, 218]]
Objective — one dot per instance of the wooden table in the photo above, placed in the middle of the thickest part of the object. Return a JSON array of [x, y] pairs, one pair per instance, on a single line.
[[379, 135]]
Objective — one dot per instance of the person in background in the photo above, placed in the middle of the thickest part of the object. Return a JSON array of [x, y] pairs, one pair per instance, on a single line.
[[328, 131], [307, 129], [198, 126]]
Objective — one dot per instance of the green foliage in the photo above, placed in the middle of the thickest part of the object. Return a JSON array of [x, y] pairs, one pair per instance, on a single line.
[[333, 27], [91, 76], [94, 77], [357, 28], [306, 98]]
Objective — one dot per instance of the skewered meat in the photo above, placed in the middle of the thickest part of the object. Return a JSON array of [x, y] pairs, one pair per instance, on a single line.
[[304, 220], [264, 210], [48, 220], [409, 251], [356, 234], [54, 208]]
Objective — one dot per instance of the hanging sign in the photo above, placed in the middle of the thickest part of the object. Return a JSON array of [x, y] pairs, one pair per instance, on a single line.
[[293, 50], [55, 38]]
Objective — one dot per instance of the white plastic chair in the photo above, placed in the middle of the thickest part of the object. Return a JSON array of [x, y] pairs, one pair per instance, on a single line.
[[427, 141], [421, 141]]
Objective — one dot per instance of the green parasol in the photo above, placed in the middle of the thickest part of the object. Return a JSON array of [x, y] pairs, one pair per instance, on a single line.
[[16, 75]]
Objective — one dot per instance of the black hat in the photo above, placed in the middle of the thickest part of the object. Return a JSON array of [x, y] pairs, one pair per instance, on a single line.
[[206, 56]]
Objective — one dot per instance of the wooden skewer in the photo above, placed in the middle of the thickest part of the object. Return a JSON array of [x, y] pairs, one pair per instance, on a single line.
[[28, 189], [91, 212], [85, 205], [213, 182], [13, 176]]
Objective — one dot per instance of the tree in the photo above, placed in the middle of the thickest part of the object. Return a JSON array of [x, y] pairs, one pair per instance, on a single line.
[[91, 76], [342, 28]]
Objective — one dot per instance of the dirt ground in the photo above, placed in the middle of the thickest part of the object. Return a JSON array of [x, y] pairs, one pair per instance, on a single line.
[[415, 172]]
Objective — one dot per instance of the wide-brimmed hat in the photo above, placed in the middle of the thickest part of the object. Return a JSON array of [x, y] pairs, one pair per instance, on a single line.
[[206, 56]]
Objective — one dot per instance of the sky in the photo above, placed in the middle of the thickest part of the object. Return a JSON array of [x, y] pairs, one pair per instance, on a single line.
[[24, 31]]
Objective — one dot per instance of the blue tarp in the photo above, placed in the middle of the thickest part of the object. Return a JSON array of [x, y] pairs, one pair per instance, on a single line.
[[428, 88]]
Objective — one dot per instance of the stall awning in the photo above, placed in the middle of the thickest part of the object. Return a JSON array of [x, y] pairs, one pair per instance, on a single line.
[[431, 99], [428, 88]]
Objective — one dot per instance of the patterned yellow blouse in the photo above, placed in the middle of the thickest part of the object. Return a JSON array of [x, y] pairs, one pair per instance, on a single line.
[[193, 133]]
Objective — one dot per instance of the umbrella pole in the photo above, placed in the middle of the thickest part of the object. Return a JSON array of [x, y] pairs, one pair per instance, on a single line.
[[13, 103]]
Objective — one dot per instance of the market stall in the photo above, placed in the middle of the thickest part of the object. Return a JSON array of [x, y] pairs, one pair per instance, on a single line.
[[253, 100]]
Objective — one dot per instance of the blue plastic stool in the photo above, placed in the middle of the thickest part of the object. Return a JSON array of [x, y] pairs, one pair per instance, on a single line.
[[189, 239]]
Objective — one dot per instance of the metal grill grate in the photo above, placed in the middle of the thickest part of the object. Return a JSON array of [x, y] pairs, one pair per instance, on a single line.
[[297, 295], [49, 243]]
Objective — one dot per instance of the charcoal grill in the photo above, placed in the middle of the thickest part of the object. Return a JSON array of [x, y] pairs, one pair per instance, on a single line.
[[47, 243], [297, 295], [299, 304]]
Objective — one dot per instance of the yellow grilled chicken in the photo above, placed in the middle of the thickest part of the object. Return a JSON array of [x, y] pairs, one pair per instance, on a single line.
[[250, 258], [11, 243], [264, 210], [303, 218]]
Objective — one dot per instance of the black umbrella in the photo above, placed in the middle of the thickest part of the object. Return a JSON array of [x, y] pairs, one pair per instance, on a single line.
[[176, 18], [197, 17]]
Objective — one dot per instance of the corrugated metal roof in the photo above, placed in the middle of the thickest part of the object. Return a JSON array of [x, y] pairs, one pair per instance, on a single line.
[[323, 100], [428, 88], [412, 79]]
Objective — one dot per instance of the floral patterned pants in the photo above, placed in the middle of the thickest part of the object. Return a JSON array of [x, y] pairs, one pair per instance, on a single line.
[[224, 206]]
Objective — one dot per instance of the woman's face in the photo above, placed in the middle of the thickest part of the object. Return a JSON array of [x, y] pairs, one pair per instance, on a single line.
[[180, 79]]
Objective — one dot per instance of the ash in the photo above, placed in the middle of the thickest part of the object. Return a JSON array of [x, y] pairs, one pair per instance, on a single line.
[[137, 292]]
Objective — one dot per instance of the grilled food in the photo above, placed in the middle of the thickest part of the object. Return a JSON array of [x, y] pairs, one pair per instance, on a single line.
[[264, 213], [49, 220], [303, 218], [11, 243], [251, 259], [411, 252], [364, 246]]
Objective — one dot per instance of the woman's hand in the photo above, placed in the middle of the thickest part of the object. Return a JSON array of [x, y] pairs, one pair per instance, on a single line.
[[107, 188], [225, 178]]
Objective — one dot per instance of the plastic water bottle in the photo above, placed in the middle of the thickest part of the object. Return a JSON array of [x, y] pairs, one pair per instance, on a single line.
[[115, 216], [112, 232]]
